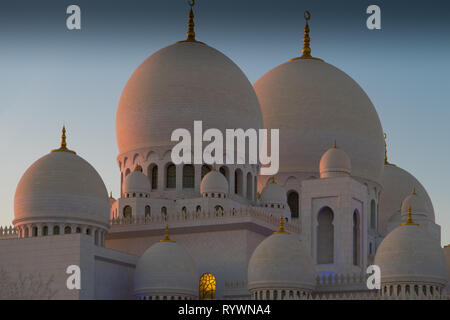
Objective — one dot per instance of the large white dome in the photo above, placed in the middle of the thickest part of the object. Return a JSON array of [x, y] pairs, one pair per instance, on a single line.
[[166, 269], [313, 103], [410, 254], [397, 184], [61, 186], [178, 84], [281, 261]]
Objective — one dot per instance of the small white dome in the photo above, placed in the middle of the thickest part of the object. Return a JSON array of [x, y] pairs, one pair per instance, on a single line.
[[410, 254], [416, 202], [273, 193], [397, 184], [61, 186], [281, 261], [335, 163], [214, 181], [166, 269], [136, 182]]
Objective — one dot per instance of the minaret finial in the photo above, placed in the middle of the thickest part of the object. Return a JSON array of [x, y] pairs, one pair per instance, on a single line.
[[214, 168], [191, 33], [385, 150], [335, 145], [306, 51], [281, 227], [63, 147], [410, 221], [191, 24], [166, 235], [414, 191]]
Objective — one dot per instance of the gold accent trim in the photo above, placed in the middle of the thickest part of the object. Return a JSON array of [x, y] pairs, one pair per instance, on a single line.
[[447, 246], [191, 32], [410, 221], [138, 168], [306, 51], [414, 191], [281, 227], [335, 145], [166, 235], [63, 147]]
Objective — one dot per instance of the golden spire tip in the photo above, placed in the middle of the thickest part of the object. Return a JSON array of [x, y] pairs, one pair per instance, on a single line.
[[410, 221], [166, 235], [306, 51], [63, 147], [191, 33], [335, 145], [281, 227]]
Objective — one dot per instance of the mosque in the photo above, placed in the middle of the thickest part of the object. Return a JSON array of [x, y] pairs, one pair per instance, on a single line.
[[222, 231]]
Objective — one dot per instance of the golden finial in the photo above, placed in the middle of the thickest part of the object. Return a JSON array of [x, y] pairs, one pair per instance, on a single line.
[[166, 235], [214, 167], [272, 180], [335, 145], [281, 227], [191, 33], [306, 51], [414, 191], [63, 147], [410, 221], [385, 150], [138, 168]]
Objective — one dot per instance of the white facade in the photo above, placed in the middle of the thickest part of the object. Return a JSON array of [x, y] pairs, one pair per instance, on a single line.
[[330, 209]]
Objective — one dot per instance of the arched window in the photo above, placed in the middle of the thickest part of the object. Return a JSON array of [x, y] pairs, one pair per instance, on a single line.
[[373, 215], [26, 232], [45, 231], [78, 230], [249, 186], [293, 203], [356, 238], [56, 230], [148, 211], [35, 231], [325, 236], [207, 287], [88, 232], [67, 230], [183, 210], [171, 176], [205, 170], [164, 211], [198, 209], [127, 212], [238, 182], [154, 177], [188, 176]]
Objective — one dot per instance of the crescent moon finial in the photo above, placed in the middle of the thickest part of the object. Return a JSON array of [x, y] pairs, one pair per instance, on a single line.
[[191, 3], [307, 15]]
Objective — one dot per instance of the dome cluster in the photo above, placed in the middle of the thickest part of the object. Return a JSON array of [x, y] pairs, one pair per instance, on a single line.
[[311, 103]]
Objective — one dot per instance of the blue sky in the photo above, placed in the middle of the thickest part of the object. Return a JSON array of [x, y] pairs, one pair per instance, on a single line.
[[50, 75]]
